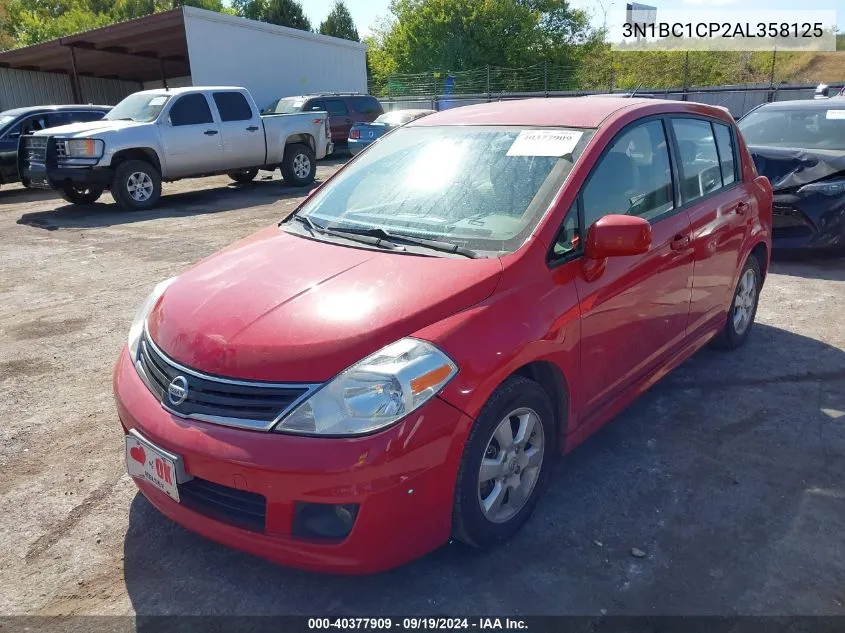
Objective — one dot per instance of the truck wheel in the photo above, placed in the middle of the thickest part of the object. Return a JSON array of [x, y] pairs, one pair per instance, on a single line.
[[245, 176], [81, 195], [299, 166], [136, 185]]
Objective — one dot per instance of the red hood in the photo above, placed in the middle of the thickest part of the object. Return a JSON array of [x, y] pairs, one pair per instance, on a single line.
[[284, 308]]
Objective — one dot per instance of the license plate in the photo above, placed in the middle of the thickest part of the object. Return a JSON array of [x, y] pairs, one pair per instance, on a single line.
[[146, 461]]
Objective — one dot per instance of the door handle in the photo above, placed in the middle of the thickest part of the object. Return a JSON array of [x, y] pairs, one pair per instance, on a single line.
[[252, 128], [210, 132], [679, 242], [741, 208]]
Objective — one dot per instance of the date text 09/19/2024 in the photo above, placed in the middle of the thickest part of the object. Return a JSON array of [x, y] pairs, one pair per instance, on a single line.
[[417, 623]]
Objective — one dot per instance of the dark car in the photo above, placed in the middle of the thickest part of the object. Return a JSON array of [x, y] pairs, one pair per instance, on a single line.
[[345, 110], [800, 147], [362, 134], [21, 121]]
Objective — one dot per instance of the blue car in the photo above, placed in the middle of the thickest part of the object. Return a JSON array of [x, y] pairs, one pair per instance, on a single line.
[[362, 134]]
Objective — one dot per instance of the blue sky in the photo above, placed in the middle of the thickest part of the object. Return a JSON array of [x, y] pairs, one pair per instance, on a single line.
[[367, 12]]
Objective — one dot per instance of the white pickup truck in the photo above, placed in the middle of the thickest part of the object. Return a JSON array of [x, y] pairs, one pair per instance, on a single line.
[[162, 135]]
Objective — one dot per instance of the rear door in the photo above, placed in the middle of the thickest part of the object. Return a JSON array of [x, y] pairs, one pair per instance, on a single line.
[[340, 119], [634, 314], [191, 137], [242, 131], [719, 204]]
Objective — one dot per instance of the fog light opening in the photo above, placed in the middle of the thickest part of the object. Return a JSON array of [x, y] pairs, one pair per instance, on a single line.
[[324, 521]]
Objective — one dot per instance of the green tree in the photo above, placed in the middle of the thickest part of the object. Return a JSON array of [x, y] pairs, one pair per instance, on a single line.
[[338, 23], [281, 12]]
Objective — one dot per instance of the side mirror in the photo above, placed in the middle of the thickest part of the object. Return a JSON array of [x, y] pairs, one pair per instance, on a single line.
[[618, 236]]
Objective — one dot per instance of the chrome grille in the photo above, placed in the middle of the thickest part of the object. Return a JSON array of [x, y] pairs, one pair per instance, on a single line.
[[34, 149], [246, 404]]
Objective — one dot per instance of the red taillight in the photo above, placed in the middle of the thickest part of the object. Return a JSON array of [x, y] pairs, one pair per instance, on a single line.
[[355, 134]]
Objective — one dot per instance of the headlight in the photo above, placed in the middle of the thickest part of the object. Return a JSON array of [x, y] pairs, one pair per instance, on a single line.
[[84, 148], [375, 392], [141, 316], [829, 188]]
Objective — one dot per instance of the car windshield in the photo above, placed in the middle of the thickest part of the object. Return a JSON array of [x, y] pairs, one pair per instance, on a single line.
[[288, 105], [805, 128], [483, 188], [5, 119], [140, 107]]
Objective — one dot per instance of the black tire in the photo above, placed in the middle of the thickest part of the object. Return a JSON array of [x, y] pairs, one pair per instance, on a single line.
[[243, 177], [120, 187], [469, 522], [297, 156], [81, 195], [730, 337]]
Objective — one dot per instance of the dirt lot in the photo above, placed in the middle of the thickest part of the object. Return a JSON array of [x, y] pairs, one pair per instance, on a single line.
[[729, 474]]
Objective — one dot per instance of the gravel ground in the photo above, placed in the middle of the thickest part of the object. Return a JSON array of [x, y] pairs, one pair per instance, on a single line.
[[727, 476]]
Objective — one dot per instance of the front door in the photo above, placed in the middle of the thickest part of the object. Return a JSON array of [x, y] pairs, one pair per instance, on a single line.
[[191, 138], [634, 313], [242, 131], [718, 203]]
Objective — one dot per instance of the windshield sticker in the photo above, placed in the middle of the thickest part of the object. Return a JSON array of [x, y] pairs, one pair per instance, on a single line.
[[545, 143], [156, 101], [835, 114]]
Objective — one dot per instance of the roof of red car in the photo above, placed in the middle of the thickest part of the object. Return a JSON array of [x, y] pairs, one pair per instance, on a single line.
[[572, 112]]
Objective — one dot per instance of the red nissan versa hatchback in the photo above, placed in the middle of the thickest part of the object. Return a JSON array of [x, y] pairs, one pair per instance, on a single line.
[[400, 360]]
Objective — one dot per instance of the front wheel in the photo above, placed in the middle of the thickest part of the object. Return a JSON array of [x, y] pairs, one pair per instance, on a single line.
[[136, 185], [243, 177], [76, 194], [505, 464], [743, 307], [299, 165]]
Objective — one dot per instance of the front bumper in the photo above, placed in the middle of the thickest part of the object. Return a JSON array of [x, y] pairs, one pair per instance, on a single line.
[[807, 222], [403, 478], [40, 168]]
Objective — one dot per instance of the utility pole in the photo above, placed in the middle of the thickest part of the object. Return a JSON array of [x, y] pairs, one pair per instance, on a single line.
[[772, 77], [686, 75], [604, 10]]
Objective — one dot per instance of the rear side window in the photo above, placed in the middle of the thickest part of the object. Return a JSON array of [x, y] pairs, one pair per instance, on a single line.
[[190, 110], [232, 106], [725, 145], [366, 105], [633, 178], [336, 106], [702, 174]]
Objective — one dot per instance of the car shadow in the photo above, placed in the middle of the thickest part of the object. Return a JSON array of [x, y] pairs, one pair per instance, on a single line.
[[829, 268], [726, 477], [201, 202]]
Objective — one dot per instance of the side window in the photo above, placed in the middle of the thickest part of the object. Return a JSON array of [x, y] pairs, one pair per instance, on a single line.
[[699, 160], [724, 142], [31, 124], [366, 105], [54, 119], [569, 237], [633, 178], [336, 107], [190, 110], [232, 106], [84, 117], [316, 105]]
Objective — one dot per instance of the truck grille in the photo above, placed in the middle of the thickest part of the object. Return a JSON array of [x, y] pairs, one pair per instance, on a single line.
[[246, 404], [247, 510], [34, 149]]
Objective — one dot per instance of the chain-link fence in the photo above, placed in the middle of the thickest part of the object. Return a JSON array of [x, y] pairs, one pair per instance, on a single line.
[[659, 73]]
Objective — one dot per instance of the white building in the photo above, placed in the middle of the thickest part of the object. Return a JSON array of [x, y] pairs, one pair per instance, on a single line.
[[186, 46]]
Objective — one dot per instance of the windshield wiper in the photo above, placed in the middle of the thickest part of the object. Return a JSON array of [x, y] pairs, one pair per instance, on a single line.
[[435, 245], [364, 238]]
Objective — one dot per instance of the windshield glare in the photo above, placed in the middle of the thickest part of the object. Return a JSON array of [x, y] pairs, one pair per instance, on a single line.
[[810, 128], [484, 188], [5, 119], [139, 107], [288, 105]]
